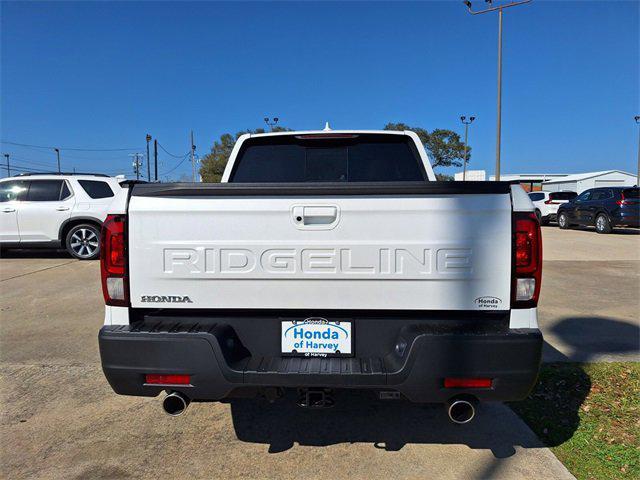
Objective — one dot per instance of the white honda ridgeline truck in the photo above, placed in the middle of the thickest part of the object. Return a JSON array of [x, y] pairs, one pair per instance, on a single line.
[[324, 260]]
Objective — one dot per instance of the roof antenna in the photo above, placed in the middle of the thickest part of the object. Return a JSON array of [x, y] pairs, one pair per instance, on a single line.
[[327, 128]]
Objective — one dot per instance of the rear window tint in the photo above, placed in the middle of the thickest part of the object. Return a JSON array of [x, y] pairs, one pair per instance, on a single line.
[[44, 190], [562, 195], [536, 196], [631, 193], [601, 195], [65, 192], [354, 158], [96, 189]]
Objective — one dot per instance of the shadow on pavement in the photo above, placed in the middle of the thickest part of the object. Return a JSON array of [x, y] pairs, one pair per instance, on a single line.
[[360, 417], [34, 253], [552, 408], [589, 337]]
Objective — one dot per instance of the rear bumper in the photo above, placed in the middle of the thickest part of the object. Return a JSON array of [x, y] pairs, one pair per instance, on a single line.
[[418, 360], [627, 219]]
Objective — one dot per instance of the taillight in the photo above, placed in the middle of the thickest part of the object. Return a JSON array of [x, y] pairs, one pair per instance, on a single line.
[[527, 260], [624, 201], [113, 261]]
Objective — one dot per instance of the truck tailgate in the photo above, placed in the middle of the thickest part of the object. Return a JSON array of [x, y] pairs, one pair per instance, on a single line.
[[435, 249]]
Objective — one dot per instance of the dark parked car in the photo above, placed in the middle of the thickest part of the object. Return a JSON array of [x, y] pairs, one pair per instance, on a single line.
[[603, 208]]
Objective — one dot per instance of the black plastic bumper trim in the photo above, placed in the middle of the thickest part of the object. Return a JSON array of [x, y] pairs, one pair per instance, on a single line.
[[218, 362]]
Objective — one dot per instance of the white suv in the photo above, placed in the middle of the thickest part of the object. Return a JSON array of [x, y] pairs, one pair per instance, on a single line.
[[56, 210], [547, 204]]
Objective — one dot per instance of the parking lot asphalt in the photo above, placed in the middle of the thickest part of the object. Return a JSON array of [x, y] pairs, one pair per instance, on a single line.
[[589, 308], [60, 418]]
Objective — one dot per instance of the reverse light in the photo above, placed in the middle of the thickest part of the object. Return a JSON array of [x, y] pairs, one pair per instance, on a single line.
[[113, 261], [467, 383], [525, 289], [527, 260], [156, 379]]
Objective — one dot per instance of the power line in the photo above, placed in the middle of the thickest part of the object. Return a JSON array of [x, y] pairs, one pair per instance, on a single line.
[[24, 168], [169, 153], [32, 162], [179, 163], [70, 148]]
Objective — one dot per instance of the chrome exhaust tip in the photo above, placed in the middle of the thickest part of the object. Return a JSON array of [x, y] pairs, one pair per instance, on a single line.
[[175, 404], [461, 410]]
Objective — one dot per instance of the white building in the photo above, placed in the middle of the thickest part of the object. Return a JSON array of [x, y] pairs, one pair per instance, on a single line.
[[529, 181], [471, 175], [583, 181]]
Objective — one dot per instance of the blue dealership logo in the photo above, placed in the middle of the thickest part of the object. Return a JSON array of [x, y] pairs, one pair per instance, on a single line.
[[302, 331]]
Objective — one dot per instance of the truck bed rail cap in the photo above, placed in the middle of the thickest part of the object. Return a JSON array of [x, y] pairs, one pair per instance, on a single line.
[[306, 189]]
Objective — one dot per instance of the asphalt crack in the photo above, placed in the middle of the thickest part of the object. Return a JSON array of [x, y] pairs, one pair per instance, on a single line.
[[38, 271]]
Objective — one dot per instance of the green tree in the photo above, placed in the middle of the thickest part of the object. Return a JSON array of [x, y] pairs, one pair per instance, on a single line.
[[213, 164], [443, 177], [443, 146]]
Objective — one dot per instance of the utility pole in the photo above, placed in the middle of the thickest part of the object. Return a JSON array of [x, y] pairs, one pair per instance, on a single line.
[[466, 139], [6, 155], [499, 106], [148, 159], [637, 119], [193, 161], [271, 123], [58, 154], [136, 164], [155, 158]]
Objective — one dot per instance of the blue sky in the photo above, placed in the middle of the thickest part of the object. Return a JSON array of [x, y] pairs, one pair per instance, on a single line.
[[102, 75]]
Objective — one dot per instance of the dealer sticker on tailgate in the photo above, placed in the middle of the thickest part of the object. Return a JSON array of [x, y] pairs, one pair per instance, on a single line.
[[316, 337]]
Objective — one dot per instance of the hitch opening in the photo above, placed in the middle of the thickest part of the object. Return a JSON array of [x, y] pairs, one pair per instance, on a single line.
[[315, 398]]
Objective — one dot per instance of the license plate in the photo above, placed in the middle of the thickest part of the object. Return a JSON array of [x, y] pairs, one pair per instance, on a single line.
[[316, 337]]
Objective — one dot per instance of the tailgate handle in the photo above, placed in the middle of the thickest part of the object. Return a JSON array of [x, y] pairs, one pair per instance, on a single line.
[[315, 215]]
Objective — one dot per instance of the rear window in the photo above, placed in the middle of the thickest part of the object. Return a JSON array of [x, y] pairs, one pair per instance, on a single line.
[[562, 195], [96, 189], [44, 190], [631, 193], [536, 196], [601, 194], [12, 190], [313, 158]]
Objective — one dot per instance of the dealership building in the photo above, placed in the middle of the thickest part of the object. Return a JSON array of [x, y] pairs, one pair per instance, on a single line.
[[584, 181], [554, 182]]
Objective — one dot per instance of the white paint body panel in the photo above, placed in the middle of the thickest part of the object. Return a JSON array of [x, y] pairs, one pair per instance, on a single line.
[[524, 318], [435, 252], [116, 315]]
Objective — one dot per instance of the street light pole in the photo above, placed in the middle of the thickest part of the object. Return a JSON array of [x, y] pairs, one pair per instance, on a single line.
[[499, 103], [148, 159], [466, 138], [637, 119], [499, 94], [6, 155], [58, 154], [193, 160]]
